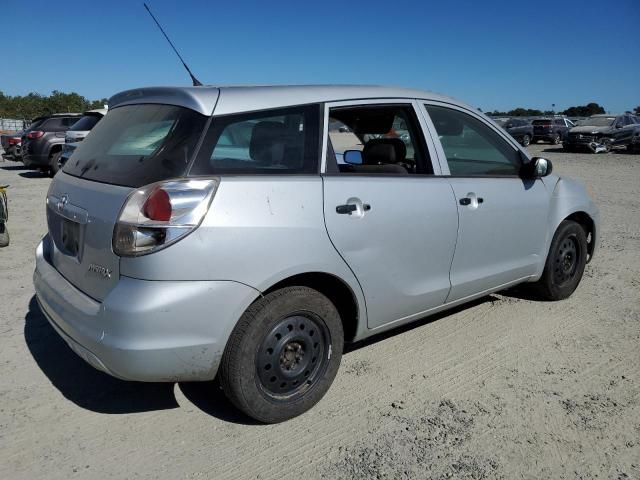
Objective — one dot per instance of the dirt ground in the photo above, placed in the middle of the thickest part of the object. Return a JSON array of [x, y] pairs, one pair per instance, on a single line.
[[503, 388]]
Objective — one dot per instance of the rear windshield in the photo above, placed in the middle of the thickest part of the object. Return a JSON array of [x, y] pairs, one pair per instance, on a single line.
[[135, 145], [541, 122], [86, 123]]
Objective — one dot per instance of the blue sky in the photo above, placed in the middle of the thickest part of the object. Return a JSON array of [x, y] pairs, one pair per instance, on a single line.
[[491, 54]]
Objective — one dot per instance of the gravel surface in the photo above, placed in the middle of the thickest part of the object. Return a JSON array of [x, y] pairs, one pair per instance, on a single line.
[[502, 388]]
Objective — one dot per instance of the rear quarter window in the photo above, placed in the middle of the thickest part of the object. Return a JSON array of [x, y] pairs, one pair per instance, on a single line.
[[279, 141]]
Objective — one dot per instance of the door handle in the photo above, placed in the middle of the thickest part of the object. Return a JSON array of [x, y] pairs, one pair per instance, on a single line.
[[467, 201], [349, 208], [346, 209]]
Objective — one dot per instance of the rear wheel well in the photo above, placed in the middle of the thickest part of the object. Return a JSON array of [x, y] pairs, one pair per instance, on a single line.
[[586, 222], [335, 290], [55, 149]]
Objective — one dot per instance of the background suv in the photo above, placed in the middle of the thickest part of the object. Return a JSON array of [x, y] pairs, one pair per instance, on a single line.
[[608, 130], [552, 130], [77, 133], [42, 144], [519, 128]]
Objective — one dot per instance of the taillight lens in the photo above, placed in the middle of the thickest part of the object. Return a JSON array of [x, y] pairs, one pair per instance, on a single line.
[[14, 141], [35, 134], [160, 214]]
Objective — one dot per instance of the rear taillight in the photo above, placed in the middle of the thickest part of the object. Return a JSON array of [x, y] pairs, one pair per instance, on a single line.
[[160, 214], [14, 141], [35, 134]]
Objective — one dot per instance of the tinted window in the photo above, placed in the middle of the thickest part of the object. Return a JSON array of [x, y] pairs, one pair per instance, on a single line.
[[52, 125], [86, 123], [138, 144], [274, 141], [471, 147]]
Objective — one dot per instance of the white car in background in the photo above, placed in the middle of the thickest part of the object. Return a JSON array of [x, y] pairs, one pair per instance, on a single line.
[[78, 132]]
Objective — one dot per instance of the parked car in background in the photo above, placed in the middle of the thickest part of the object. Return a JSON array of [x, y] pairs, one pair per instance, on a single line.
[[42, 144], [182, 247], [606, 130], [11, 144], [552, 130], [78, 132], [519, 128]]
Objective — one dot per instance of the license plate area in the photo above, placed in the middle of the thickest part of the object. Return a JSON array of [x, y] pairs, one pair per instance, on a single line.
[[69, 238]]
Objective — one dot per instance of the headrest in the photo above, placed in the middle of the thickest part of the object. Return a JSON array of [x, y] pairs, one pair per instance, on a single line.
[[264, 137], [381, 151]]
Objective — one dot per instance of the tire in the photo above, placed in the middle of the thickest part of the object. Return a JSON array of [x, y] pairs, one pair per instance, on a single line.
[[53, 163], [565, 262], [4, 235], [526, 140], [557, 138], [283, 354], [607, 144]]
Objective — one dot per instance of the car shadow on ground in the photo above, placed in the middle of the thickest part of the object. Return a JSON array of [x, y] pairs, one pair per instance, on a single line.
[[350, 347], [96, 391], [34, 174], [93, 390], [13, 167]]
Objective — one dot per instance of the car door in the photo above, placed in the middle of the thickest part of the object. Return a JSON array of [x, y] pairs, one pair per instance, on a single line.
[[625, 132], [390, 216], [502, 218]]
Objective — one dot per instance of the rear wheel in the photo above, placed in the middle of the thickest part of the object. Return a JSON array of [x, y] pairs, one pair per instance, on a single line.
[[526, 140], [606, 142], [283, 355], [557, 138], [565, 263], [53, 163]]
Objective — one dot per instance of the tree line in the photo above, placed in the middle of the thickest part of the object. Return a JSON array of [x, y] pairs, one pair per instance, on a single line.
[[579, 111], [34, 105]]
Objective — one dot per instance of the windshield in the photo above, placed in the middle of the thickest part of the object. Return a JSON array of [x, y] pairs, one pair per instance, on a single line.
[[86, 123], [596, 122], [135, 145]]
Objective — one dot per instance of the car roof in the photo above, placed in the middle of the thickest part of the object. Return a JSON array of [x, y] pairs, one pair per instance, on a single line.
[[100, 111], [235, 99], [606, 115]]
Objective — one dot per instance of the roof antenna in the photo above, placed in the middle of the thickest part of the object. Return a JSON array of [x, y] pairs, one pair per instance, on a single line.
[[196, 82]]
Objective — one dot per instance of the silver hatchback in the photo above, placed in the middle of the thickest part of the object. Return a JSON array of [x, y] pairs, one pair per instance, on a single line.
[[249, 232]]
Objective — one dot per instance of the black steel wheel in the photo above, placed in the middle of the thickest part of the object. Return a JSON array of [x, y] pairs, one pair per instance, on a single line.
[[293, 355], [526, 140], [283, 354], [565, 262], [557, 138]]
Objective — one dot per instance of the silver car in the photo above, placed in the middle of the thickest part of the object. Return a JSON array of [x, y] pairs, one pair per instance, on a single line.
[[210, 231]]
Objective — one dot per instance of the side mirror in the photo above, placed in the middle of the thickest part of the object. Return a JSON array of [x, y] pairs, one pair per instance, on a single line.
[[538, 167], [352, 157]]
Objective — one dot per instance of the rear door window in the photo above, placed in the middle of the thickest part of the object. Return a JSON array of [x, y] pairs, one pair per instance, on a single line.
[[279, 141], [135, 145]]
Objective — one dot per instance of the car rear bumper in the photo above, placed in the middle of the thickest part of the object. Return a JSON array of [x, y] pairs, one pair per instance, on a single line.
[[149, 331]]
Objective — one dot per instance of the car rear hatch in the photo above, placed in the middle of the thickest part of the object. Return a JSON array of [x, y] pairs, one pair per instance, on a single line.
[[134, 145], [542, 127], [81, 215]]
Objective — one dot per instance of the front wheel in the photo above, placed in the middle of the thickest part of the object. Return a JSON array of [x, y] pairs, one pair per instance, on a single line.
[[526, 140], [283, 354], [557, 138], [565, 263]]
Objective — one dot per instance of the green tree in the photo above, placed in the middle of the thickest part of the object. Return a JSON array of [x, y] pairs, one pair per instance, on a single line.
[[34, 105], [584, 110], [635, 110]]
